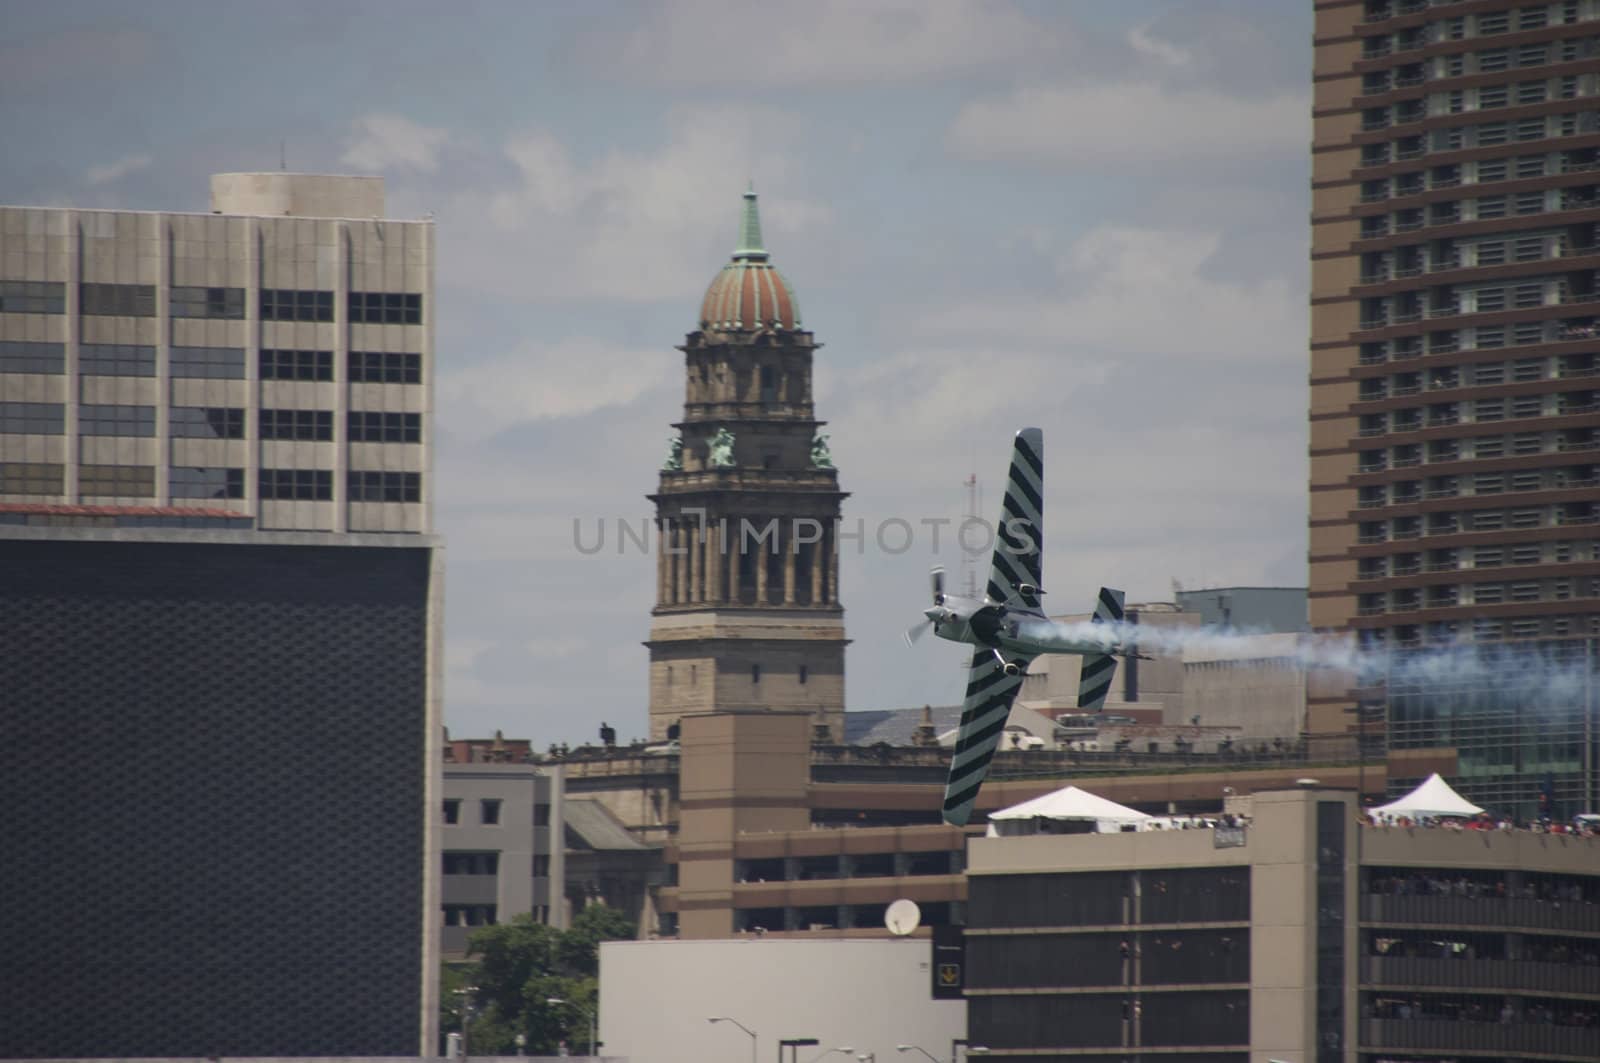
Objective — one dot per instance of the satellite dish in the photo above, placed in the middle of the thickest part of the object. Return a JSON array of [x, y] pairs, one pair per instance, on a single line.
[[902, 917]]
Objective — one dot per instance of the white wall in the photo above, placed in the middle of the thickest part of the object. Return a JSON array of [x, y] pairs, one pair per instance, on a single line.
[[655, 997]]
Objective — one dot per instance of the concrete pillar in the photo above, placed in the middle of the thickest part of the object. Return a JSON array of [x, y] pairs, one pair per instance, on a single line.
[[713, 564], [732, 550], [814, 551], [677, 562], [663, 582], [763, 551], [691, 535], [788, 566], [833, 565]]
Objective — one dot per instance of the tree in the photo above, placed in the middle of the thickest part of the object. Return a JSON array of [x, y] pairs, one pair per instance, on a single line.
[[518, 967]]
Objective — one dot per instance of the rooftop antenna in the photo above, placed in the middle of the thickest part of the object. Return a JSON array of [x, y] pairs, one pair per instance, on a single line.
[[283, 154], [969, 566]]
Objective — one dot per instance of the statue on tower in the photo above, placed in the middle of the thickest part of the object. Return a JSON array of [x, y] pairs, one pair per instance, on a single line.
[[720, 449], [821, 457], [674, 462]]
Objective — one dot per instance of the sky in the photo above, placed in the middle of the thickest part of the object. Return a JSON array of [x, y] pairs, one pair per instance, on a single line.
[[1087, 217]]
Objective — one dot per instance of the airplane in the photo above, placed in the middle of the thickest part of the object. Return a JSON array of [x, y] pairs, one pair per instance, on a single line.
[[1008, 629]]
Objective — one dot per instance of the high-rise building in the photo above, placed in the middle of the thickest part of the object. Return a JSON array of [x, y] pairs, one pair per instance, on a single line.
[[1295, 935], [271, 358], [220, 686], [1455, 352], [747, 609]]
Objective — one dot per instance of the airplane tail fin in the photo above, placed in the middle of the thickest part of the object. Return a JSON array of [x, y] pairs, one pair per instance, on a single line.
[[1094, 677]]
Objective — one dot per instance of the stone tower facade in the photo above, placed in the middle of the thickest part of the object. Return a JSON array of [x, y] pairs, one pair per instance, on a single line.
[[747, 613]]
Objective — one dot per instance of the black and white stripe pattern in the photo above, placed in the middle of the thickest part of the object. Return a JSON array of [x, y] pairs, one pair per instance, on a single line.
[[1020, 560], [1094, 679], [990, 693]]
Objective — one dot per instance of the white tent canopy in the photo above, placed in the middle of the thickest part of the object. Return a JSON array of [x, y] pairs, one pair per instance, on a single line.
[[1432, 798], [1067, 804]]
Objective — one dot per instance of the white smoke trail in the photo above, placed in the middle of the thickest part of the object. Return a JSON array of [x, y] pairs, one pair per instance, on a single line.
[[1556, 669]]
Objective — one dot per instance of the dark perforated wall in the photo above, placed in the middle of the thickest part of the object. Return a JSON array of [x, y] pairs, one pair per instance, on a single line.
[[211, 804]]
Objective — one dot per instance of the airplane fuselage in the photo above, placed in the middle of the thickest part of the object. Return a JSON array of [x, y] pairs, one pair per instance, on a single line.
[[1013, 629]]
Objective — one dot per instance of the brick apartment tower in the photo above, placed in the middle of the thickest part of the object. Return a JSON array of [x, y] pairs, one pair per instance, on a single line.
[[1455, 401], [747, 609]]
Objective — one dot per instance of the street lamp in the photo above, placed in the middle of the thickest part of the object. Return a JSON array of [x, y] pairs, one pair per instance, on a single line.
[[465, 993], [919, 1048], [742, 1026], [846, 1049], [594, 1036], [794, 1044]]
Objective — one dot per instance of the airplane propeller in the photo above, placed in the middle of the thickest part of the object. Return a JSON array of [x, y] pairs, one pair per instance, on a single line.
[[936, 584]]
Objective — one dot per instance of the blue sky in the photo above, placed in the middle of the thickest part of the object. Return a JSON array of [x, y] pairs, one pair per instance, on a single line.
[[1090, 217]]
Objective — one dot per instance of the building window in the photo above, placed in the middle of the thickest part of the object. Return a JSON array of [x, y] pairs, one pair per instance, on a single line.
[[206, 422], [490, 811], [469, 915], [207, 363], [472, 863], [286, 304], [24, 356], [541, 815], [386, 308], [755, 673], [311, 425], [128, 481], [385, 367], [33, 297], [372, 427], [296, 365], [33, 418], [541, 866], [452, 810], [385, 487], [122, 300], [306, 485], [208, 302], [803, 675], [189, 482], [136, 421], [116, 359], [31, 478]]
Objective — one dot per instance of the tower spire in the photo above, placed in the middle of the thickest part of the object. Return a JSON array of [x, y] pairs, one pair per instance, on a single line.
[[750, 245]]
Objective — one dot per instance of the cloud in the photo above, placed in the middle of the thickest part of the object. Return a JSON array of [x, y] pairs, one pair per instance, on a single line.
[[541, 381], [1102, 125], [391, 141], [827, 42], [73, 55], [1142, 41], [1138, 292], [115, 171], [629, 226]]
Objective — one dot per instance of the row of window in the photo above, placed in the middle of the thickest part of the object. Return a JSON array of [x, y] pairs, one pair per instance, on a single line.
[[1488, 337], [1441, 414], [1482, 61], [1491, 556], [207, 363], [139, 481], [1444, 451], [1480, 172], [1485, 520], [204, 422], [1481, 98], [277, 304], [488, 863], [1409, 492], [1482, 629], [1479, 208], [489, 812]]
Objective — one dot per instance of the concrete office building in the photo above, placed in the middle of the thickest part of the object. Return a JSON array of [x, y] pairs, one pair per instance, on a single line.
[[220, 682], [272, 358], [1455, 346], [1299, 936], [219, 748], [857, 997], [501, 848]]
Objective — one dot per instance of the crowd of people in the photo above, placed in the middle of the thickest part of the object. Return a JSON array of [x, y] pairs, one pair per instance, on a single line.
[[1423, 883], [1584, 828], [1507, 1012]]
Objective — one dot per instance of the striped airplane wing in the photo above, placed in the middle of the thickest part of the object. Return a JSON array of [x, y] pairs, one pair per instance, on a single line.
[[1019, 540], [1094, 678], [983, 720]]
